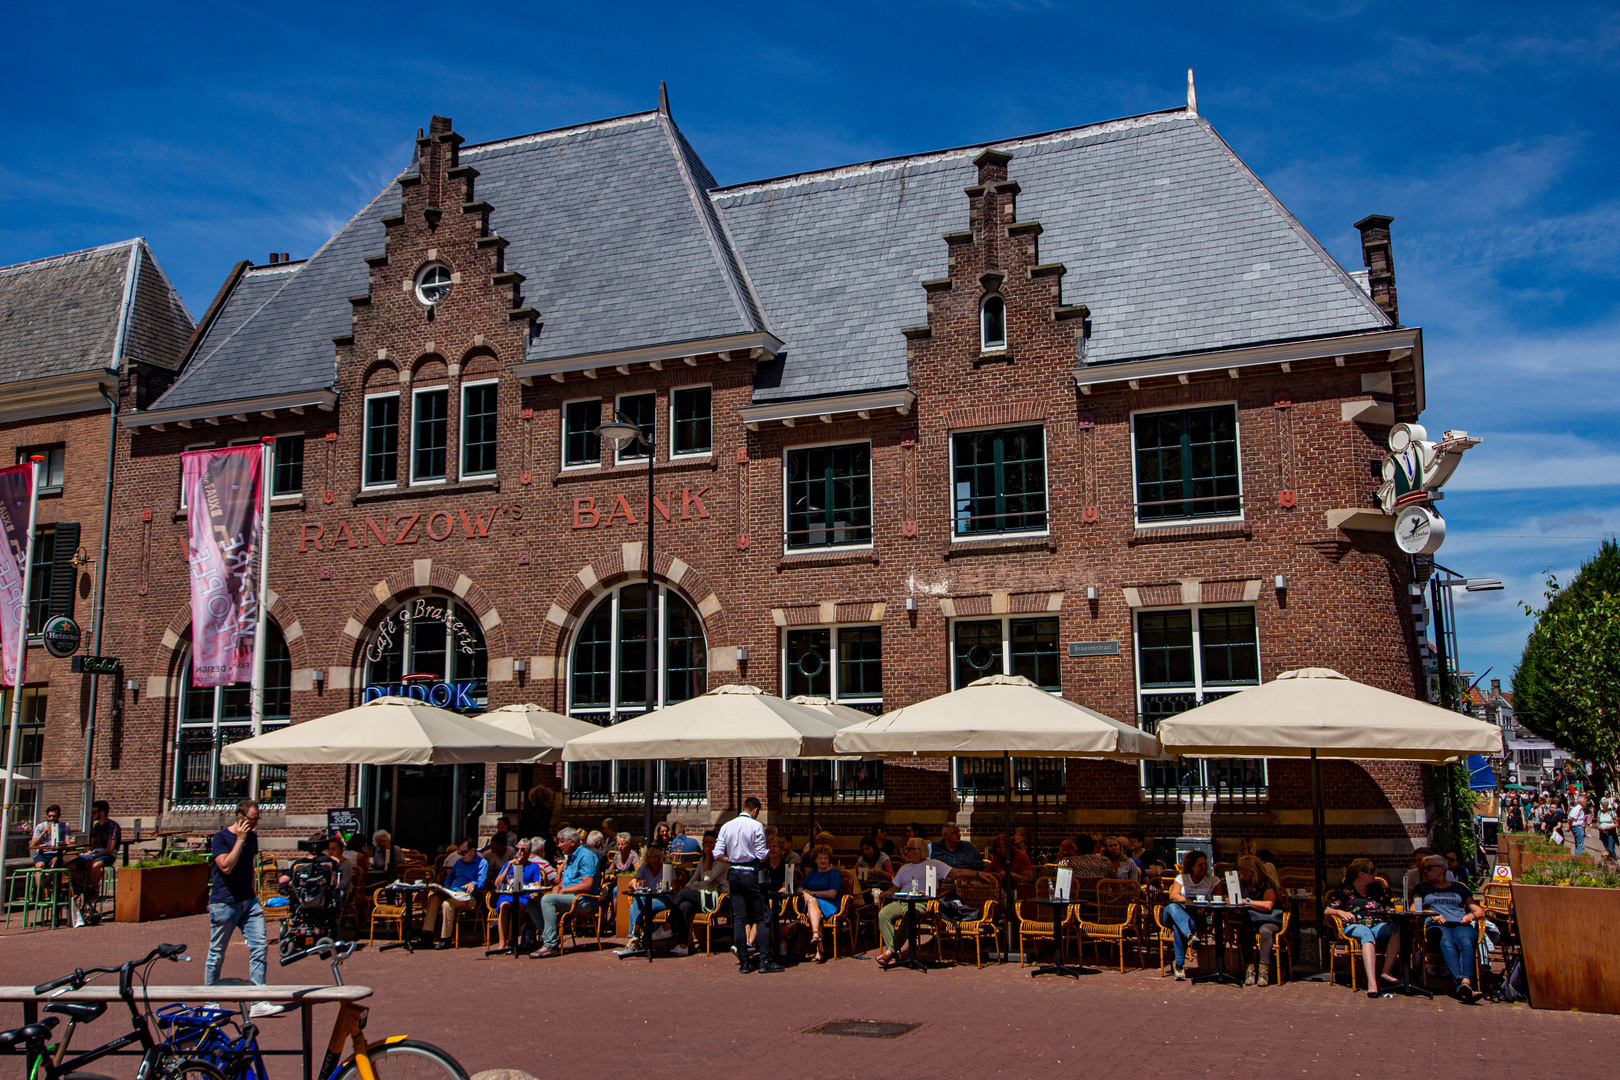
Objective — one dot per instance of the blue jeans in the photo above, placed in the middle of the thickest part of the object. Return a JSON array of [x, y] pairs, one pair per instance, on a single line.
[[1457, 943], [551, 906], [1183, 925], [1580, 839], [1608, 837], [1374, 935], [222, 919], [638, 906]]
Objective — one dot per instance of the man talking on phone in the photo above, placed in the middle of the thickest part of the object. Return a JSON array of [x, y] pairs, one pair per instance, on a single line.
[[233, 900]]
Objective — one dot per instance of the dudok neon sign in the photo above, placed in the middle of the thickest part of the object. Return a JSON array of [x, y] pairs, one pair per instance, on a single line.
[[459, 697]]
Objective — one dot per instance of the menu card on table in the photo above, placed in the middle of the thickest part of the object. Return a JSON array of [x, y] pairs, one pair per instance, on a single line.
[[1234, 886], [787, 880], [933, 882], [1064, 882]]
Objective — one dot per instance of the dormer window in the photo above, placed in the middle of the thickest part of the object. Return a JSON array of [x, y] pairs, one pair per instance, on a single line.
[[433, 283], [993, 324]]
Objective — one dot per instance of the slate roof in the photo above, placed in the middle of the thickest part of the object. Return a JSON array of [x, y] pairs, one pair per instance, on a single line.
[[60, 316], [609, 223], [1166, 235]]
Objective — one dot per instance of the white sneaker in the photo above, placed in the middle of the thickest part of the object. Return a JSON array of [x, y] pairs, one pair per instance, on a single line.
[[679, 950], [1181, 973], [627, 952], [265, 1008], [661, 935]]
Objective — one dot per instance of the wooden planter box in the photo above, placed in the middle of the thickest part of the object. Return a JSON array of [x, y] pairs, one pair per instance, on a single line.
[[1571, 952], [161, 892]]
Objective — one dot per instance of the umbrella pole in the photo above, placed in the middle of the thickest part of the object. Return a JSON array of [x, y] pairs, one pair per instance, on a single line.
[[812, 804], [1318, 842], [1007, 848]]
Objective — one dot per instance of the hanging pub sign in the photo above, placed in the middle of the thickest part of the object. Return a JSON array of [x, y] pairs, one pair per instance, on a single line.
[[61, 637]]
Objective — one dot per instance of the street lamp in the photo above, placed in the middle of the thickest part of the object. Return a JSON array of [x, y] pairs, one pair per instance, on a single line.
[[622, 432], [1445, 627]]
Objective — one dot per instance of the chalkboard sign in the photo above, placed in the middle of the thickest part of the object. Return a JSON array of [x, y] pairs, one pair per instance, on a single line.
[[345, 820]]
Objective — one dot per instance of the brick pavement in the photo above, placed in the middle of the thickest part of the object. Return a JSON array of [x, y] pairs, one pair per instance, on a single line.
[[697, 1017]]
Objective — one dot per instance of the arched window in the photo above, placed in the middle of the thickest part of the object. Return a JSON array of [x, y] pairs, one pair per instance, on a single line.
[[993, 323], [430, 647], [607, 682], [213, 717]]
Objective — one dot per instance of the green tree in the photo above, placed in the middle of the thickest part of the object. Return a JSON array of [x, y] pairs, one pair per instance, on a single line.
[[1567, 685]]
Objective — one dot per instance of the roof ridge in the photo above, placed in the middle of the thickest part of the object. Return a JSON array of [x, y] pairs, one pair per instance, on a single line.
[[929, 156], [46, 260], [559, 133], [729, 260]]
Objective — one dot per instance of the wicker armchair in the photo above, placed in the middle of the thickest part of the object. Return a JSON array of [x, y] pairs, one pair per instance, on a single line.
[[980, 928], [709, 921], [1341, 944], [1035, 925], [598, 915], [1115, 924]]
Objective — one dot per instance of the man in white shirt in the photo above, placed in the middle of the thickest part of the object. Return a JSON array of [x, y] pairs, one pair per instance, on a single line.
[[741, 843], [1577, 823], [913, 878]]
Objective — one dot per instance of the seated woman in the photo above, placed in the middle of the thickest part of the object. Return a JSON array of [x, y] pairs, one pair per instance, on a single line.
[[662, 835], [1451, 924], [385, 858], [820, 890], [519, 871], [1257, 935], [1359, 904], [624, 859], [1121, 867], [778, 857], [703, 890], [874, 862], [1195, 882], [1023, 871], [649, 878]]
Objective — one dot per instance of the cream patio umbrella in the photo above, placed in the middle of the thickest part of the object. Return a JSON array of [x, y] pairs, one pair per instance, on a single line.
[[1318, 713], [386, 731], [551, 730], [839, 716], [997, 716]]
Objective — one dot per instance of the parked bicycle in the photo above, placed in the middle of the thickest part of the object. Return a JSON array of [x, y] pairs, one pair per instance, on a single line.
[[159, 1060]]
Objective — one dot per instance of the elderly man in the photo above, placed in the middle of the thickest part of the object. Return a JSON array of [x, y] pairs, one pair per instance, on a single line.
[[955, 852], [577, 888], [912, 877], [467, 875]]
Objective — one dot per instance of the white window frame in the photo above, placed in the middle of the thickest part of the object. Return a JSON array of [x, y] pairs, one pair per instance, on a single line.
[[1046, 476], [1237, 414], [189, 447], [416, 285], [416, 394], [1006, 669], [562, 436], [984, 344], [690, 455], [365, 442], [865, 545], [834, 691], [461, 453], [618, 453], [1197, 688], [299, 494]]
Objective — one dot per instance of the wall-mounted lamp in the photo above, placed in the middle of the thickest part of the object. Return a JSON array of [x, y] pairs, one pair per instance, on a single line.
[[1091, 592], [742, 654], [317, 676], [911, 603], [1281, 583], [519, 666], [132, 685]]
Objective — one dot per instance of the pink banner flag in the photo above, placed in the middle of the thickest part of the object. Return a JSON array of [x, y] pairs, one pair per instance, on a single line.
[[16, 485], [223, 500]]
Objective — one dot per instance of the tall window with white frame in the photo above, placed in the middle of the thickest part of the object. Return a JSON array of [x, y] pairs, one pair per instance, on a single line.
[[1186, 657], [993, 324], [829, 496], [1187, 464], [581, 444], [478, 425], [999, 481], [691, 415], [642, 411], [1009, 645], [430, 430], [607, 682], [382, 440], [845, 665], [213, 717]]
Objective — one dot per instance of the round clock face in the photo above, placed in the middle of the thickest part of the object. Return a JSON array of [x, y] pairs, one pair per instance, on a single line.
[[1419, 530]]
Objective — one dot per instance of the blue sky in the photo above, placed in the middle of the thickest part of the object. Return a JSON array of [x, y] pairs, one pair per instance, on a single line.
[[224, 131]]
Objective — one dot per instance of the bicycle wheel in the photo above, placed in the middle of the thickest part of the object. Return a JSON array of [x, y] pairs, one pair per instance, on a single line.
[[188, 1069], [408, 1059]]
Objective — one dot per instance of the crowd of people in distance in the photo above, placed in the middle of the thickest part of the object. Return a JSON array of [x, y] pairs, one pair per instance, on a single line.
[[1562, 819]]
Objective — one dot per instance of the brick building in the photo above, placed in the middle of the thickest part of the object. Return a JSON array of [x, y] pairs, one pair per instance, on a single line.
[[78, 332], [1088, 406]]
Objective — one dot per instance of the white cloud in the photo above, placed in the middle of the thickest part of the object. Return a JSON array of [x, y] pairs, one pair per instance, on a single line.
[[1508, 461]]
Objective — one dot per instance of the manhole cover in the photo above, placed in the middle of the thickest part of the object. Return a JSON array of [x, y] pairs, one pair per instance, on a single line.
[[864, 1029]]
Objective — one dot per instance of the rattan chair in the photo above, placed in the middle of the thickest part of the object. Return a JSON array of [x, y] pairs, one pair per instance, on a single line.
[[600, 912], [1341, 944], [1035, 925], [709, 921], [979, 928], [1115, 925]]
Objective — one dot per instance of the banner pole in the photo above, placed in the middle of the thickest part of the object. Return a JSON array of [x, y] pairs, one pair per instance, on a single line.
[[22, 665], [267, 447]]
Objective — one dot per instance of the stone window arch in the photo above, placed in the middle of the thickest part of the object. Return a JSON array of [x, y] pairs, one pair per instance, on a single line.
[[430, 647], [210, 718]]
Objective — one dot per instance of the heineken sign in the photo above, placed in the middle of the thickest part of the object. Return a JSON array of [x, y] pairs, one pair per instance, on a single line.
[[61, 636]]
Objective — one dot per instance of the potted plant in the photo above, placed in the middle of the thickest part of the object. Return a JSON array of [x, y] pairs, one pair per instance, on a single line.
[[163, 887], [1566, 913]]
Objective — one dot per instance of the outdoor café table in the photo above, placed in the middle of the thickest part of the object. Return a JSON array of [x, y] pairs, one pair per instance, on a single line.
[[530, 890], [1218, 920], [409, 889], [1410, 923], [913, 958], [644, 898], [1060, 910], [302, 998]]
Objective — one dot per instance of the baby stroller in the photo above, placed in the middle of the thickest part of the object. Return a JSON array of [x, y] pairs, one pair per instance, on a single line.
[[314, 904]]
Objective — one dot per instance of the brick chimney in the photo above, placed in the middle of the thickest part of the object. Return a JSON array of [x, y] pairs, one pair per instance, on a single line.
[[1496, 688], [1380, 262]]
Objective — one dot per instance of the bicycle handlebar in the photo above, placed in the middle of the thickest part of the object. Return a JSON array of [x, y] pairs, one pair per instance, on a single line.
[[324, 949], [81, 976]]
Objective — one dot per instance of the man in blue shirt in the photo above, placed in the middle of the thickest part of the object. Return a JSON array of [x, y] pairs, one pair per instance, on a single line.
[[580, 882], [233, 899], [956, 852], [466, 876]]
